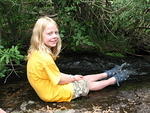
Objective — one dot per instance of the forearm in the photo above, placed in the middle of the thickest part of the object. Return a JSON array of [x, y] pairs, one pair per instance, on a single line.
[[66, 78]]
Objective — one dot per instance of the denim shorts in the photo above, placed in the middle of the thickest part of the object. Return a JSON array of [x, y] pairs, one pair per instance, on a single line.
[[80, 88]]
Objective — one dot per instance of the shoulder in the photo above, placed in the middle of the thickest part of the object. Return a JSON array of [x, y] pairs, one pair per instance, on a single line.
[[41, 57]]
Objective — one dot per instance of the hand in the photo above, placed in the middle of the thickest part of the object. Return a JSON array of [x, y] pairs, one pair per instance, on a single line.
[[78, 77]]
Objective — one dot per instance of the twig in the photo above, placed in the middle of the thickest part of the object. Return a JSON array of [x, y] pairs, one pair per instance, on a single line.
[[111, 12], [108, 28], [13, 70], [8, 76], [143, 27]]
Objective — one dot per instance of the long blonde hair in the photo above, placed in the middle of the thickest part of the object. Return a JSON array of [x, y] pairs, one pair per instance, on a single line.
[[37, 43]]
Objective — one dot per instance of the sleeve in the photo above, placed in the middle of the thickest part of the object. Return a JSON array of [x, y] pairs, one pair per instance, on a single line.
[[53, 72]]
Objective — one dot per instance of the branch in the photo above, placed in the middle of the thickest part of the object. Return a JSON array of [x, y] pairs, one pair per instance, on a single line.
[[13, 70], [143, 27], [8, 76], [111, 12]]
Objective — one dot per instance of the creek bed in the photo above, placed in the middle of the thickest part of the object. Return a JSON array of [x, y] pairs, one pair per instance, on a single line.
[[133, 96]]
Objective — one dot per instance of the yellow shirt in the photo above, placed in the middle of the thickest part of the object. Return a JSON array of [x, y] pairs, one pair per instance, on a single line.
[[44, 75]]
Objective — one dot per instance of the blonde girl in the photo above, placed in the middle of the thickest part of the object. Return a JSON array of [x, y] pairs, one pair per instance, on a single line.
[[46, 79]]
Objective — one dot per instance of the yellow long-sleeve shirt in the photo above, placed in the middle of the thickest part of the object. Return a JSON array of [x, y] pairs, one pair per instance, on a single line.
[[44, 75]]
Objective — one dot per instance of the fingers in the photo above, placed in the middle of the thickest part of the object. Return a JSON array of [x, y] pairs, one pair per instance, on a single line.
[[78, 77]]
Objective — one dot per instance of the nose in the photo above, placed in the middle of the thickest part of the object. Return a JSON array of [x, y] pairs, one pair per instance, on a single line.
[[55, 36]]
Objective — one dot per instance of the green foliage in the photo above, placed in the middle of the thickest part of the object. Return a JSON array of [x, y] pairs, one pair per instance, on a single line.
[[113, 27], [115, 54], [130, 18], [130, 14], [9, 57], [79, 38], [74, 31], [82, 24], [18, 18], [117, 26]]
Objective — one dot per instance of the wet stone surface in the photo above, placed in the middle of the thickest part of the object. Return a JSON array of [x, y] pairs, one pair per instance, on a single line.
[[129, 98], [133, 96]]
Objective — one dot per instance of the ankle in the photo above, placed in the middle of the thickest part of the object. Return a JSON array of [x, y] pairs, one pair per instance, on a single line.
[[105, 75], [112, 80]]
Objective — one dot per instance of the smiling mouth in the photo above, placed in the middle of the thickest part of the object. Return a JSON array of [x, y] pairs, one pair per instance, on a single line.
[[53, 42]]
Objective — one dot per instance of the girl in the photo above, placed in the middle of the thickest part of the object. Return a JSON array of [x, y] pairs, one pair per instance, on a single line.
[[44, 76]]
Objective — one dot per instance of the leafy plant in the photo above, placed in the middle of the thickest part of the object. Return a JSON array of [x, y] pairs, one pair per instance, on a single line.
[[73, 30], [18, 18], [130, 19], [107, 25], [8, 58], [115, 54]]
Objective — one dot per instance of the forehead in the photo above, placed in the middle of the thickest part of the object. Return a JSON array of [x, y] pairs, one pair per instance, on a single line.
[[51, 26]]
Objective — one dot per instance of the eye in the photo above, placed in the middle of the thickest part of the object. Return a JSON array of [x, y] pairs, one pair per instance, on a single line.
[[57, 33], [50, 33]]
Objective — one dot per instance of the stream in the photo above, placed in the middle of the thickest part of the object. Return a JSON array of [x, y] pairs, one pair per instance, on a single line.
[[133, 96]]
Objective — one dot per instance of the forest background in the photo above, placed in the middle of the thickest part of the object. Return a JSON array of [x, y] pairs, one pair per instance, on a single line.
[[112, 27]]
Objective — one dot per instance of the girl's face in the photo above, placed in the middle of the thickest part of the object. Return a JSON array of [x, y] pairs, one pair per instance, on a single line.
[[50, 35]]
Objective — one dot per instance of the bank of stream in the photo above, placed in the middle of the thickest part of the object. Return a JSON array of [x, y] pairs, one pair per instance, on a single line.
[[133, 96]]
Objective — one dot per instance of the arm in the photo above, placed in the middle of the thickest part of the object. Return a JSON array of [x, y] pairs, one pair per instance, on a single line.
[[65, 78]]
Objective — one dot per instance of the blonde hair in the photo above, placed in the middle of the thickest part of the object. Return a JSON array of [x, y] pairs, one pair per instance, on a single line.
[[37, 43]]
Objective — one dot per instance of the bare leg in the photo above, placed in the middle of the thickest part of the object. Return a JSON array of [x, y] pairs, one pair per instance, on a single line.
[[95, 77], [2, 111], [94, 86]]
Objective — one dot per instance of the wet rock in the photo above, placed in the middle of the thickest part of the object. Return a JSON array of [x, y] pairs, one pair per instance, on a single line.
[[65, 111], [94, 64], [25, 104], [133, 96]]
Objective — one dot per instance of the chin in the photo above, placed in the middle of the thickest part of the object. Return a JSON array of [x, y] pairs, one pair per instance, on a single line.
[[53, 45]]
